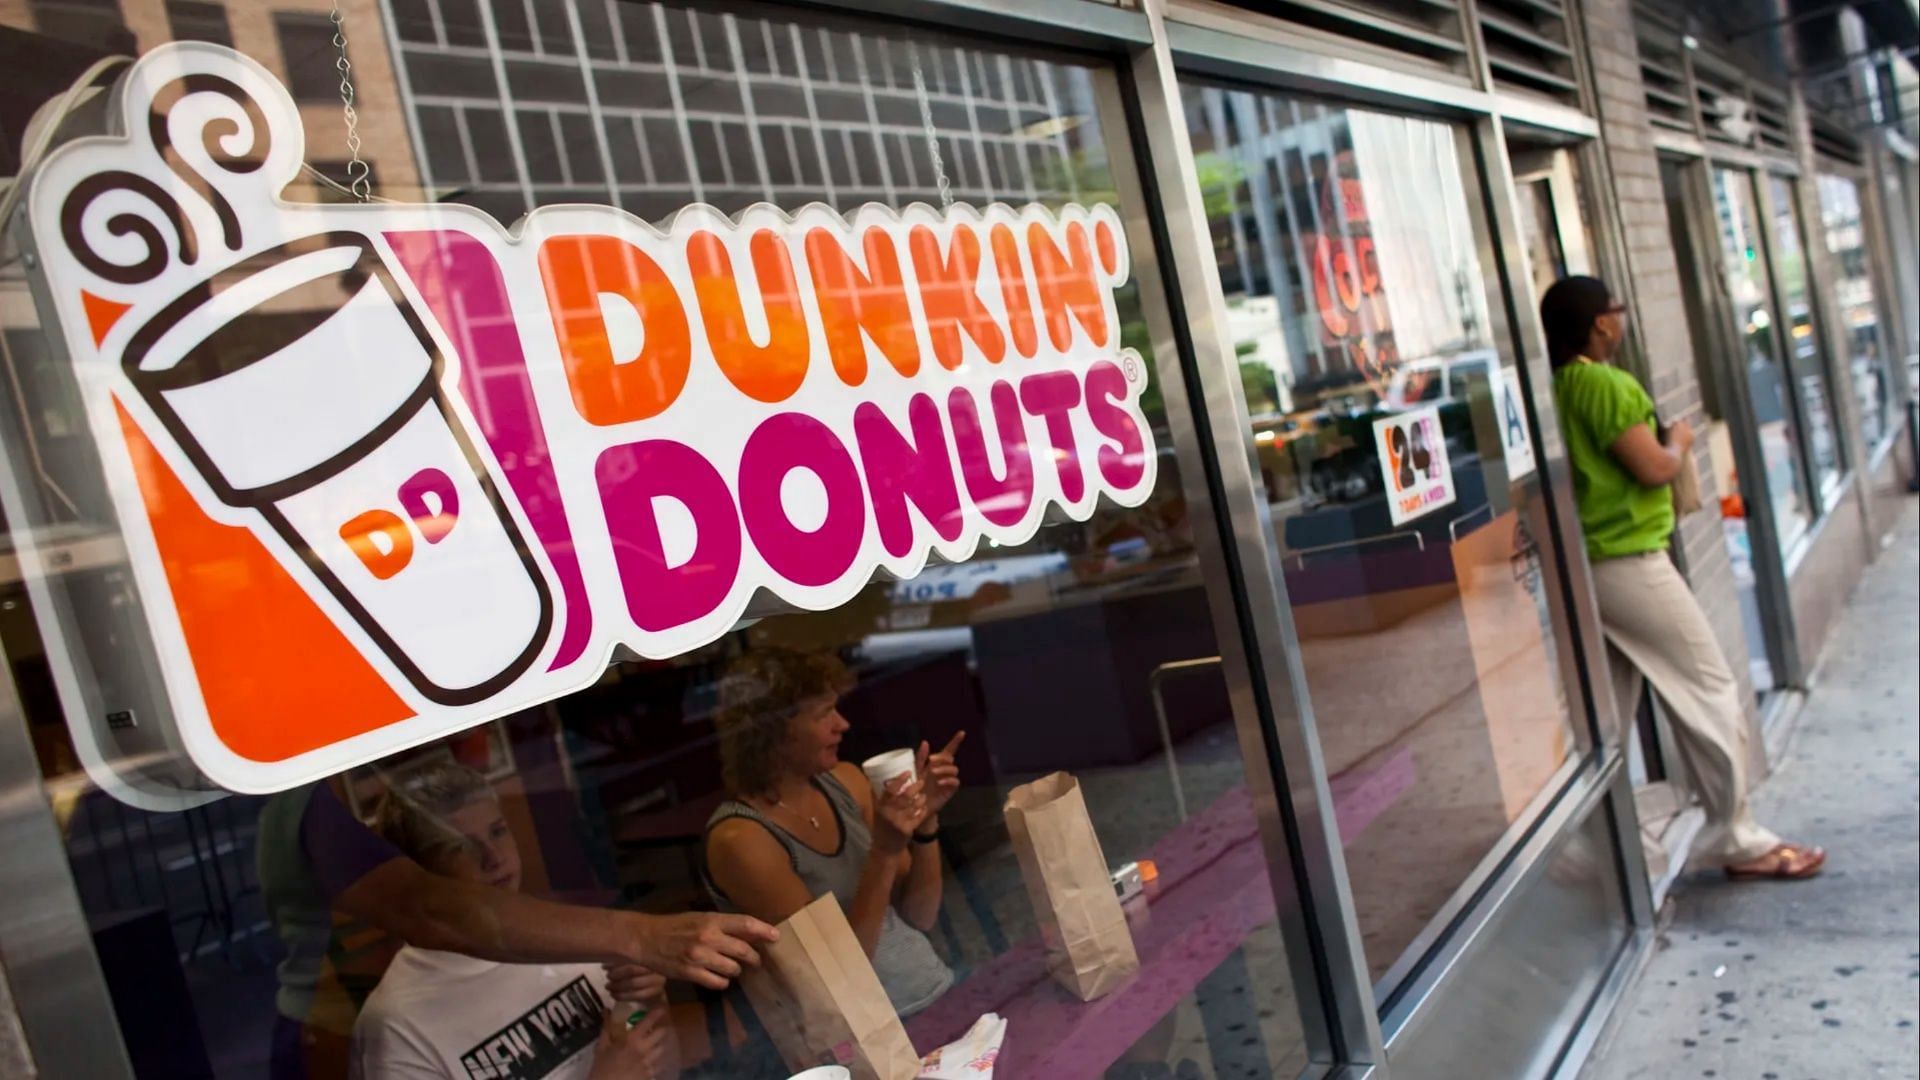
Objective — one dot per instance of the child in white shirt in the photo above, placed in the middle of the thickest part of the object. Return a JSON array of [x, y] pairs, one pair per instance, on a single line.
[[438, 1015]]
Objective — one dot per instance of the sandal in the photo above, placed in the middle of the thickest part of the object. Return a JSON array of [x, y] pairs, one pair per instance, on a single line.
[[1787, 862]]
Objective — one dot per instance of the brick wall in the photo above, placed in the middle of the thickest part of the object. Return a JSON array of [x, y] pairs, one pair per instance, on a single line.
[[1643, 247]]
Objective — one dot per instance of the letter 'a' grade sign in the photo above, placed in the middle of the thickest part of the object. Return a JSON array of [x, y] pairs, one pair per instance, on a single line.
[[449, 466]]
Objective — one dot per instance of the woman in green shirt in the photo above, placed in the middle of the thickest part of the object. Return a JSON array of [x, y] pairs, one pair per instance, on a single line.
[[1623, 465]]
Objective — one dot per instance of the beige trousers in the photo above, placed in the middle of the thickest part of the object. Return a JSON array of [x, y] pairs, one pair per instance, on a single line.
[[1653, 620]]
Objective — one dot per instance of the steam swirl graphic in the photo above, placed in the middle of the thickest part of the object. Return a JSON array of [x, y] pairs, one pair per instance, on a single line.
[[154, 262], [215, 133]]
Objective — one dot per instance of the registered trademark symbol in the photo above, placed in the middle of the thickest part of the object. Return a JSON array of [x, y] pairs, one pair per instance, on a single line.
[[1130, 367]]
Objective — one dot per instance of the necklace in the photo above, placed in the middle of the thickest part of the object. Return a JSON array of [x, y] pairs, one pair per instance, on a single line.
[[811, 819]]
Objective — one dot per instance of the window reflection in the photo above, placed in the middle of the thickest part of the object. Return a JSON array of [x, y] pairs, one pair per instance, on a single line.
[[653, 106], [1769, 385], [1853, 303], [1541, 230], [1803, 338], [1088, 649], [1355, 296]]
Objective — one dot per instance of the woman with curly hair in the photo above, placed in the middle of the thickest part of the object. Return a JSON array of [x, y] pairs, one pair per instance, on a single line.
[[800, 823]]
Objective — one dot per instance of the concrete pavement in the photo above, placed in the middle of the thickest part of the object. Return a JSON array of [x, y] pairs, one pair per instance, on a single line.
[[1816, 980]]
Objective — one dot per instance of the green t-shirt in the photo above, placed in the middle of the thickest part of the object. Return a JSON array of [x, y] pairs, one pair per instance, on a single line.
[[1598, 403]]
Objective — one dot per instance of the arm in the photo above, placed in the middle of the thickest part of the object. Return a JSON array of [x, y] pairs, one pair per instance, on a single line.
[[920, 890], [369, 879], [433, 912], [754, 872], [909, 893], [1652, 463]]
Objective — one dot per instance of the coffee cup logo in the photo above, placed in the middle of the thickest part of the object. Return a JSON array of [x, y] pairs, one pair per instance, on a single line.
[[232, 369], [386, 471]]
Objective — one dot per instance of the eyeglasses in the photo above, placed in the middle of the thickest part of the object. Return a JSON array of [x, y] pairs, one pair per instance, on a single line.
[[1614, 309]]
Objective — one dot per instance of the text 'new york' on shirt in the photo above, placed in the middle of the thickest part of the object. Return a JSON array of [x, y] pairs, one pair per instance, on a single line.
[[439, 1014]]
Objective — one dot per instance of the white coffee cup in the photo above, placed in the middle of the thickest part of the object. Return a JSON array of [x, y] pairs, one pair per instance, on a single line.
[[824, 1072], [882, 769]]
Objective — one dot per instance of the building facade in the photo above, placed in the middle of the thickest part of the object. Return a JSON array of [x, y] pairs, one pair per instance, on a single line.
[[1153, 391]]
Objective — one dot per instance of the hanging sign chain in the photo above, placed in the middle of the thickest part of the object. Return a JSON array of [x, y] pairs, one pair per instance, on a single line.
[[358, 172], [926, 122]]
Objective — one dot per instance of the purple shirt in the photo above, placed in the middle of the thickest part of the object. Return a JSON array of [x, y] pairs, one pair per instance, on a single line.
[[338, 847], [310, 850]]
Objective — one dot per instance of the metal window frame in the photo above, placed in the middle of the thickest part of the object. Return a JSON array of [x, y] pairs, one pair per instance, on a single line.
[[42, 927], [1258, 57], [1247, 571], [1213, 484], [59, 989]]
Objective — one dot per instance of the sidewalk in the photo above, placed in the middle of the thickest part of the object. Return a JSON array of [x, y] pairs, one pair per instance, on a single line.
[[1817, 980]]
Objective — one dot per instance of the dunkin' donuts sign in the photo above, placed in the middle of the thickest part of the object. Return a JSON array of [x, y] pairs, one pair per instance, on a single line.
[[386, 471]]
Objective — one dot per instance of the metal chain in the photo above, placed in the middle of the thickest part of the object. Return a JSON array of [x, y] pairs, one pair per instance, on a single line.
[[358, 172], [926, 121]]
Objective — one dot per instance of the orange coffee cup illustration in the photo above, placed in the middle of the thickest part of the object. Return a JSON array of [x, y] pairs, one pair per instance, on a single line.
[[302, 385]]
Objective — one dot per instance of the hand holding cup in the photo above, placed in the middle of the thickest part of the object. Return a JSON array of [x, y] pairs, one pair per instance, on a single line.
[[898, 810]]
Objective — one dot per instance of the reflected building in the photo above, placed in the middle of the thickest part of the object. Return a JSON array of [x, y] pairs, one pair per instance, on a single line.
[[1312, 206], [651, 107], [293, 39]]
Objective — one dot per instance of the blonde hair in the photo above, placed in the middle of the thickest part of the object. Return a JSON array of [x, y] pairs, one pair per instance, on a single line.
[[760, 695], [413, 814]]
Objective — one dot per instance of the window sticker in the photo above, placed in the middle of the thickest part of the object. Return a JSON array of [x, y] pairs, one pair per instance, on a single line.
[[1413, 463]]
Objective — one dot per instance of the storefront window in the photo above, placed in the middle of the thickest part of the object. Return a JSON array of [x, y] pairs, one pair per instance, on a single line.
[[1084, 646], [1803, 337], [1769, 384], [1394, 449], [1854, 303]]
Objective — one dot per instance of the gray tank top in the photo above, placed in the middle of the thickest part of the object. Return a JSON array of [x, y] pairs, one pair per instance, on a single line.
[[912, 974]]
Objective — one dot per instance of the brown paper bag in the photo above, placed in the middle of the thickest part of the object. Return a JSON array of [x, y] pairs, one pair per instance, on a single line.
[[1686, 486], [1089, 947], [818, 997]]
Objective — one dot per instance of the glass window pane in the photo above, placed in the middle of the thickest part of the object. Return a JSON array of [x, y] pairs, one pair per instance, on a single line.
[[192, 20], [1082, 644], [1718, 402], [1806, 354], [1769, 384], [307, 50], [1412, 540], [1854, 303]]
